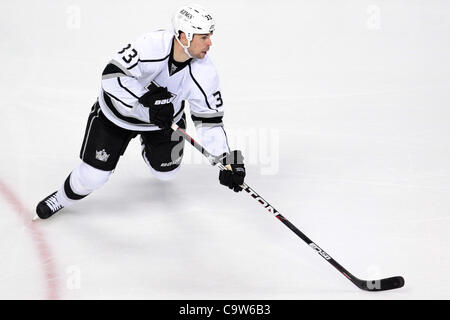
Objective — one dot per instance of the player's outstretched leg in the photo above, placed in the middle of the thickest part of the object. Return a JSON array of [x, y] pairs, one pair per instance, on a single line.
[[81, 182], [103, 145]]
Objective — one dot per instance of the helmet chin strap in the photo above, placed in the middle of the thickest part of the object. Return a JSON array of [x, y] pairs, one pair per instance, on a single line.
[[185, 47]]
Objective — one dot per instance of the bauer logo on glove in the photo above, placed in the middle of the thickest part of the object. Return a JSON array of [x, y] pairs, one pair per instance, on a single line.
[[160, 107]]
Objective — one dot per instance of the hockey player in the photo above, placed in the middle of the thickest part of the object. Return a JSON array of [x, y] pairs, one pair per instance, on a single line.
[[143, 91]]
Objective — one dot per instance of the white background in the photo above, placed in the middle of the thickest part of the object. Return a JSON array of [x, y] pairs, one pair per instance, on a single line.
[[343, 108]]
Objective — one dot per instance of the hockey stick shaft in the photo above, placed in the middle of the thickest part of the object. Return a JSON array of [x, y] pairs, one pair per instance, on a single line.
[[377, 285]]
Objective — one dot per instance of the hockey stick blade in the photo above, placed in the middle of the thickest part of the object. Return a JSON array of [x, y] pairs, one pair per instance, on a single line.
[[380, 285], [367, 285]]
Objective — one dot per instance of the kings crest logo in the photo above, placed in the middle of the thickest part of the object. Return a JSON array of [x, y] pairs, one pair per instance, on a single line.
[[101, 155]]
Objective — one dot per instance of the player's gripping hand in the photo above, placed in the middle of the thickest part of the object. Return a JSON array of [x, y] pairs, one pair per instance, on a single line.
[[160, 107], [233, 178]]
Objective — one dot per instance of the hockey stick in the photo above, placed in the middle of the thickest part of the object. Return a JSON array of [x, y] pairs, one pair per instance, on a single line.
[[368, 285]]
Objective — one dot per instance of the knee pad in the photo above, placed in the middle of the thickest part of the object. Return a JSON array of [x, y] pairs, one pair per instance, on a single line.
[[167, 175], [84, 179]]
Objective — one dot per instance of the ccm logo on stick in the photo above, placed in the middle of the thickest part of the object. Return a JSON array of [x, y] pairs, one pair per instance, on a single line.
[[320, 251]]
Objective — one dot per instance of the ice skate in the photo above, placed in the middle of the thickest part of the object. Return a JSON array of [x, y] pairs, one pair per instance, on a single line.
[[48, 207]]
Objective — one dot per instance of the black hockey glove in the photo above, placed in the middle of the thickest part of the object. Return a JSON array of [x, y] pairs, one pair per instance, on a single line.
[[233, 178], [159, 106]]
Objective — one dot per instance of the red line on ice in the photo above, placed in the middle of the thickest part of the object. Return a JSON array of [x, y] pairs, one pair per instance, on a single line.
[[39, 241]]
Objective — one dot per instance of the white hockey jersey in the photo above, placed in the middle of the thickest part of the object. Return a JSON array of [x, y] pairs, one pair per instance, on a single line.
[[148, 62]]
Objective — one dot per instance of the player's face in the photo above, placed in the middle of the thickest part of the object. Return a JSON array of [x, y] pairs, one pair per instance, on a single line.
[[200, 45]]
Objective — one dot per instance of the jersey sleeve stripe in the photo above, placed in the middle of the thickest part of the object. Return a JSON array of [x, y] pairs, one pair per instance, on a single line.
[[110, 105], [211, 122], [208, 115], [126, 89], [121, 68], [112, 76], [112, 69], [117, 99]]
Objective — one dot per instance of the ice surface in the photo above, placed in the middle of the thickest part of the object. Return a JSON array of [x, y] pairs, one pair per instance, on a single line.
[[343, 112]]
